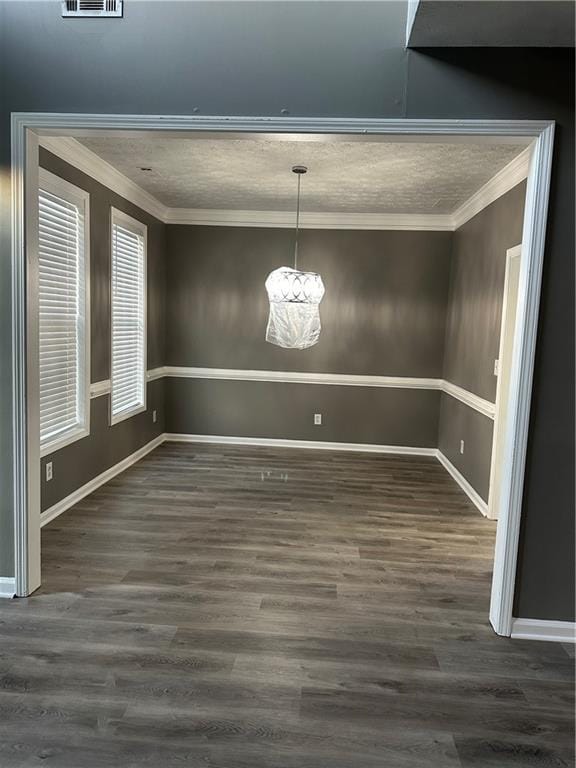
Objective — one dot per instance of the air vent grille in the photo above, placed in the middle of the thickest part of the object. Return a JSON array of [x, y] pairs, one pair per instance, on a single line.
[[93, 8]]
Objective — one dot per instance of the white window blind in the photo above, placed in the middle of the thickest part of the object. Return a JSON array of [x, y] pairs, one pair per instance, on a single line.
[[63, 312], [128, 317]]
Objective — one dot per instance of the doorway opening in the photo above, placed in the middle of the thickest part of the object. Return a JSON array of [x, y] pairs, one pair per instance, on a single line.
[[30, 132]]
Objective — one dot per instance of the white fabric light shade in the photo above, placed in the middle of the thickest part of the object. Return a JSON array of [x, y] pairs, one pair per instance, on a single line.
[[294, 320]]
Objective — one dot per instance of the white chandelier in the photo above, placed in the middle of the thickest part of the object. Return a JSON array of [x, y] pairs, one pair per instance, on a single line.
[[295, 296]]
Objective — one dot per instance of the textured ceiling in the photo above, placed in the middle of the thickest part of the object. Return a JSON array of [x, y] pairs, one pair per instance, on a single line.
[[351, 177]]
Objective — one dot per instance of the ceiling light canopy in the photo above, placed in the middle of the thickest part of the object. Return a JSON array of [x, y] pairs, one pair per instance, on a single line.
[[294, 296]]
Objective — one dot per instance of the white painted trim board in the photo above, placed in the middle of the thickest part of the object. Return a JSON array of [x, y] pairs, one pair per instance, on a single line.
[[479, 404], [7, 587], [77, 495], [505, 180], [301, 377], [319, 445], [337, 379], [472, 494], [544, 629], [74, 152]]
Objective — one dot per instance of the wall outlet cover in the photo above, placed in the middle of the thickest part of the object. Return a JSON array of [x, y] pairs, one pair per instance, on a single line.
[[461, 446], [48, 471], [154, 416], [317, 419]]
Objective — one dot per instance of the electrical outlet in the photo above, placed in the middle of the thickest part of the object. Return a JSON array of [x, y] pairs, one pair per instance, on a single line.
[[154, 416], [461, 446], [48, 471], [317, 419], [496, 367]]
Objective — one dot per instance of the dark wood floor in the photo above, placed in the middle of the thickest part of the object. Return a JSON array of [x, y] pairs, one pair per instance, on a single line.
[[254, 608]]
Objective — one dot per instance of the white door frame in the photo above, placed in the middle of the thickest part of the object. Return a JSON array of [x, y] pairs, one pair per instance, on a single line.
[[513, 256], [26, 127]]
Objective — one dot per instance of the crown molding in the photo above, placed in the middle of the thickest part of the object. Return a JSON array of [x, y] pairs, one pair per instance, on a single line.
[[72, 151], [507, 178], [212, 217]]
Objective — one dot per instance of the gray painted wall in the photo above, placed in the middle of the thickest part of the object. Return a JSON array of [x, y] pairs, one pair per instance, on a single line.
[[459, 422], [260, 409], [477, 292], [326, 58], [384, 311], [529, 84], [76, 464], [473, 324]]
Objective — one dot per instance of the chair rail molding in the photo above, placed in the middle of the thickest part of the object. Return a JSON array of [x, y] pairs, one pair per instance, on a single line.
[[28, 128], [470, 399]]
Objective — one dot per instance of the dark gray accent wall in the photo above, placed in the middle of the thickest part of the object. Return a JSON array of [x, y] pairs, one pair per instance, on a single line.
[[473, 322], [477, 292], [383, 312], [529, 84], [285, 411], [460, 422], [344, 59], [106, 445]]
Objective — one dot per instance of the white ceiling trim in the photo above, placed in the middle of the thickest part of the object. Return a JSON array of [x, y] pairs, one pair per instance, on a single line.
[[308, 220], [507, 178], [75, 153]]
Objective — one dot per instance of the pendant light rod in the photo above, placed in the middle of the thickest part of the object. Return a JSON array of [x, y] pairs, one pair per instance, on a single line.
[[299, 170]]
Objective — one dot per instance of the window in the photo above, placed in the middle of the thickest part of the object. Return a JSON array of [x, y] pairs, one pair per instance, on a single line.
[[63, 312], [128, 317]]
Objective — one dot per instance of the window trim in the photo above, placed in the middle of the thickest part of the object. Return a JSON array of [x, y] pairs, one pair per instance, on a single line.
[[139, 228], [60, 187]]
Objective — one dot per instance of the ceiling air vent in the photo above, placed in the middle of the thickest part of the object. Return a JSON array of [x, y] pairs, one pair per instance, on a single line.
[[93, 8]]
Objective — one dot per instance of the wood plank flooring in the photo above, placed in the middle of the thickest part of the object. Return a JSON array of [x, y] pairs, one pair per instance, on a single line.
[[223, 607]]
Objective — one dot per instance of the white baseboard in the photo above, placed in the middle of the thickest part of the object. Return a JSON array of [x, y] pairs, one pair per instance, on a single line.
[[474, 497], [64, 504], [314, 444], [96, 482], [7, 586], [544, 629], [524, 629]]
